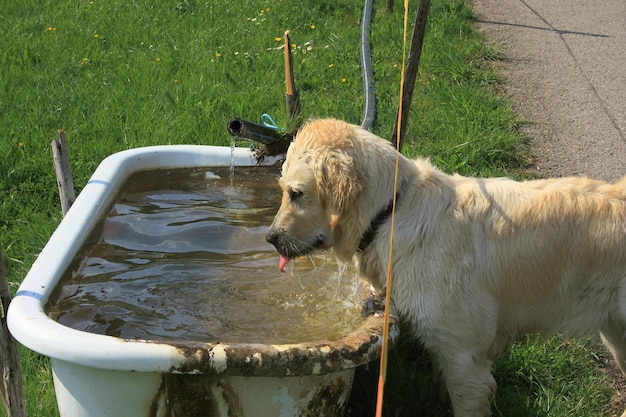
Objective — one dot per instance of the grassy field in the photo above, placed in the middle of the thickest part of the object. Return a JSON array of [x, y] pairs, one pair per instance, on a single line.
[[122, 74]]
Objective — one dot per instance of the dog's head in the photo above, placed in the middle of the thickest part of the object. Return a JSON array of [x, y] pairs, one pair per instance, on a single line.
[[319, 184]]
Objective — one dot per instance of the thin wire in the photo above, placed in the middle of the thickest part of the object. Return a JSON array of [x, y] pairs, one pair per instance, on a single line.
[[385, 343]]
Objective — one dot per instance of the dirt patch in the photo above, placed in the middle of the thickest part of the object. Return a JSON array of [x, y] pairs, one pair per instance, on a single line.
[[618, 383]]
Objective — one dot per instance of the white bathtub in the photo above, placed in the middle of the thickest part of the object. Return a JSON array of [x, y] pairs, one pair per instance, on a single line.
[[98, 376]]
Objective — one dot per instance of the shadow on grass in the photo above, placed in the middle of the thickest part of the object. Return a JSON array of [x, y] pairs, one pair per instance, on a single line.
[[410, 391], [409, 388]]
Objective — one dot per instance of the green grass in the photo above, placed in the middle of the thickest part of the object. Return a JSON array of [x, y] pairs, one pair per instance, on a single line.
[[122, 74]]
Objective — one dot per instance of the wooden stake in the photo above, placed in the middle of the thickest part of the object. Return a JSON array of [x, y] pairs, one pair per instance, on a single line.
[[410, 74], [12, 388], [63, 173], [292, 96]]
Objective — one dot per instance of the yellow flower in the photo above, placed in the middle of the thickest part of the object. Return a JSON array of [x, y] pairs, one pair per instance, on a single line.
[[331, 65], [278, 39], [395, 65], [51, 28], [343, 80], [158, 59], [217, 55], [95, 35], [312, 26], [84, 61], [20, 145]]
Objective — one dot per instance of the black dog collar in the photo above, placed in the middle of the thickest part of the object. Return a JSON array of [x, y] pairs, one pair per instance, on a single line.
[[380, 218]]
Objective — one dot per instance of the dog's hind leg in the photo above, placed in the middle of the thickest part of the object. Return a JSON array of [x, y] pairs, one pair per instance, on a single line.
[[613, 337]]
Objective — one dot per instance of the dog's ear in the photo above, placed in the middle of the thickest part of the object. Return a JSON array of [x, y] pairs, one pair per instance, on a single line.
[[337, 181]]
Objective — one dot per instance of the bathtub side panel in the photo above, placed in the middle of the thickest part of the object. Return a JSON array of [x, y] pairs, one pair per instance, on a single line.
[[240, 396], [307, 396], [91, 392]]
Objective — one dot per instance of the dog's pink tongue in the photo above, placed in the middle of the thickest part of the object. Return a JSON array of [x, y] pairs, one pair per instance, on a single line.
[[282, 263]]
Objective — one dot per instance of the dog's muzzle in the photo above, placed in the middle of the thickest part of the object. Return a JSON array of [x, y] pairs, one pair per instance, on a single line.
[[290, 247]]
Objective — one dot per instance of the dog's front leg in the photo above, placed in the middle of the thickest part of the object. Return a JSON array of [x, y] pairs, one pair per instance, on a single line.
[[469, 382], [439, 382]]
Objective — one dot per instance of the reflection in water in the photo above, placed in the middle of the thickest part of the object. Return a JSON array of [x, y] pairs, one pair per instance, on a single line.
[[182, 256]]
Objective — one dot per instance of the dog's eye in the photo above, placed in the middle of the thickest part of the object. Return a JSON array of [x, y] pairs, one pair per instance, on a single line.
[[295, 194]]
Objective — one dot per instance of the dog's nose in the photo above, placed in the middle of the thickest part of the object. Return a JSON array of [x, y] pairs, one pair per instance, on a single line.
[[272, 237]]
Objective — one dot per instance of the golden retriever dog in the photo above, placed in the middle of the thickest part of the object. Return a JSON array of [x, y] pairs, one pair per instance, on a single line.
[[476, 262]]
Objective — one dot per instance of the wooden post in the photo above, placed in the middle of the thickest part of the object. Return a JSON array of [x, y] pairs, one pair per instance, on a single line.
[[410, 73], [292, 96], [12, 388], [63, 173]]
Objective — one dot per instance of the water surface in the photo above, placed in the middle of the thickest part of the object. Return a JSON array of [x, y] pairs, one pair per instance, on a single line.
[[182, 256]]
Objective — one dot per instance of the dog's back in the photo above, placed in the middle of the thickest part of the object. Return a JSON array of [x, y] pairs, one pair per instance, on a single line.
[[553, 251]]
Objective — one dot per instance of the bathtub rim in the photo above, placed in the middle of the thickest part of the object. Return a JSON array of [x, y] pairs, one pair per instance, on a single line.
[[30, 325]]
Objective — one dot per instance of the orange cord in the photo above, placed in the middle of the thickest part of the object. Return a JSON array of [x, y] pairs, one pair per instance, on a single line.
[[385, 342]]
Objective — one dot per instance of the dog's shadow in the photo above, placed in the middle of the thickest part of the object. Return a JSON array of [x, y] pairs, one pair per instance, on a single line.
[[410, 388]]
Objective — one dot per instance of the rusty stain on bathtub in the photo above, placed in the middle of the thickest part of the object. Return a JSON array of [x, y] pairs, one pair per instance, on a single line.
[[195, 396]]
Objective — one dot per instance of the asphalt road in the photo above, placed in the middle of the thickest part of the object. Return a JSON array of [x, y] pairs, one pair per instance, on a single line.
[[565, 69]]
